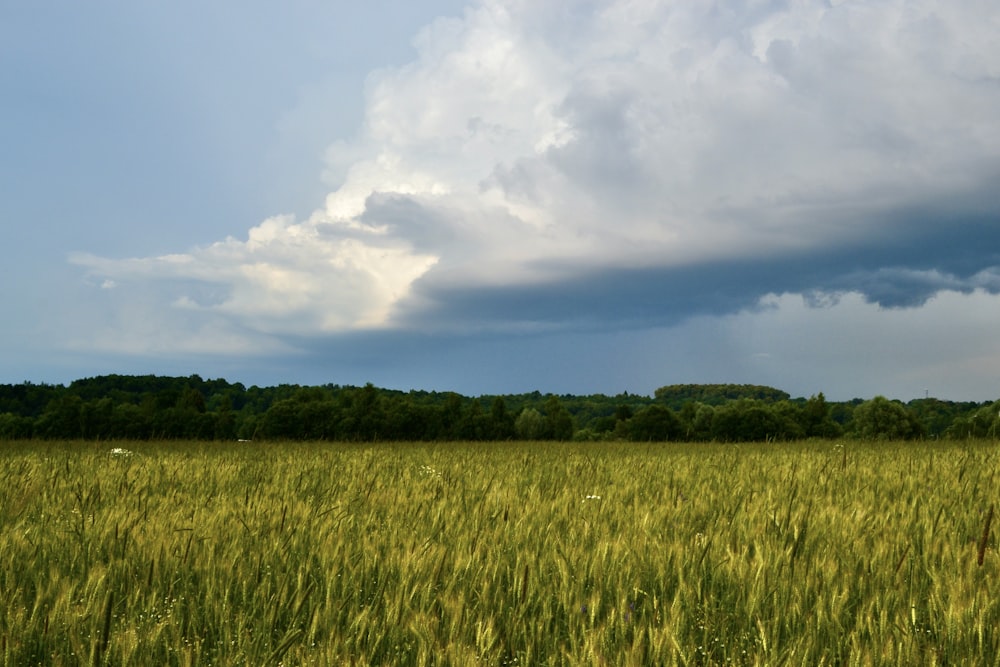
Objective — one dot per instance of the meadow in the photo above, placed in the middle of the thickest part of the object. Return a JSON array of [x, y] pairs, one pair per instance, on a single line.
[[810, 553]]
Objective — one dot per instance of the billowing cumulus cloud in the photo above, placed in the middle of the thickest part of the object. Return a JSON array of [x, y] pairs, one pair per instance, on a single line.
[[622, 163], [285, 278]]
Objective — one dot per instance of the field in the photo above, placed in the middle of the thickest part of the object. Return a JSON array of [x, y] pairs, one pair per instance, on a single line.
[[815, 553]]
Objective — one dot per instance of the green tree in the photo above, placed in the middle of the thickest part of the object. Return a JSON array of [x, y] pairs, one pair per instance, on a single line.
[[14, 427], [281, 421], [816, 419], [559, 422], [697, 421], [225, 419], [61, 419], [676, 395], [501, 423], [747, 420], [983, 422], [366, 415], [317, 419], [882, 419], [191, 400], [474, 423], [530, 425], [130, 422], [623, 413], [405, 420], [96, 419], [656, 423], [450, 417]]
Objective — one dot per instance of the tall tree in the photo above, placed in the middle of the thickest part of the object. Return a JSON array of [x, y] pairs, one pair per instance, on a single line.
[[882, 419], [559, 422], [530, 425], [654, 423], [501, 425]]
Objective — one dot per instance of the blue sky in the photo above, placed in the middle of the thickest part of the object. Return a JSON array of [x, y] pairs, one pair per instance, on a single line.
[[501, 196]]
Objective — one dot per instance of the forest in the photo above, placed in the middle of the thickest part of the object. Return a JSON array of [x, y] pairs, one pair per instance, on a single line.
[[122, 407]]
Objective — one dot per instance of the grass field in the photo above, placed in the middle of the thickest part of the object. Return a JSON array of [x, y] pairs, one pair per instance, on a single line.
[[815, 553]]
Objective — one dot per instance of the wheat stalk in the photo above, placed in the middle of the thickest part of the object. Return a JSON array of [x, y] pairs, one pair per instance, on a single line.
[[981, 551]]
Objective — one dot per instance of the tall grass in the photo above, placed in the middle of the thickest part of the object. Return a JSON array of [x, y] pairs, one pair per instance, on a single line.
[[509, 554]]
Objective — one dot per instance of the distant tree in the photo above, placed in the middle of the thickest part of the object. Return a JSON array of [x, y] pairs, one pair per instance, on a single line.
[[140, 407], [790, 420], [474, 423], [816, 419], [696, 421], [747, 420], [404, 420], [366, 413], [130, 422], [588, 435], [656, 423], [623, 413], [14, 427], [843, 412], [248, 425], [675, 396], [530, 425], [450, 415], [61, 419], [281, 421], [225, 419], [96, 419], [318, 418], [501, 423], [604, 424], [882, 419], [171, 423], [27, 399], [559, 422], [984, 422]]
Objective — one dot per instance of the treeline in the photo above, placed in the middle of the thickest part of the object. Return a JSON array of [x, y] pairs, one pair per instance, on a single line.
[[119, 407]]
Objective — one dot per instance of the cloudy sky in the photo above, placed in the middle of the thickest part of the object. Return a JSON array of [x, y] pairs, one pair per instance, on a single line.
[[495, 196]]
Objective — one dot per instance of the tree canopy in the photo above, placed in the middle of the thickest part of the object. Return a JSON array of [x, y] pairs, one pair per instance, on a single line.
[[154, 407]]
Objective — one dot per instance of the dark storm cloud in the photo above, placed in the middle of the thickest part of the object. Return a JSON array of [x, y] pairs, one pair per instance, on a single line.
[[908, 260]]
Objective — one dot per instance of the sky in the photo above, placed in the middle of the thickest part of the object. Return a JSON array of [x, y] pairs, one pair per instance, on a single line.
[[502, 196]]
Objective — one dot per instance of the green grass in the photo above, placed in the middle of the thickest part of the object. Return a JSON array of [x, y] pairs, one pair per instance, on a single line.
[[317, 554]]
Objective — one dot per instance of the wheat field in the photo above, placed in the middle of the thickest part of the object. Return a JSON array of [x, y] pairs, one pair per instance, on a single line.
[[813, 553]]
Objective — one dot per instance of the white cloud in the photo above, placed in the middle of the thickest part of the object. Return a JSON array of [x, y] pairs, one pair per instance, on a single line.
[[539, 140], [285, 278], [629, 133]]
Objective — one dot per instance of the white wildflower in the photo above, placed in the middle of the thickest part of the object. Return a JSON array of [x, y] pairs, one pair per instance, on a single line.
[[119, 451]]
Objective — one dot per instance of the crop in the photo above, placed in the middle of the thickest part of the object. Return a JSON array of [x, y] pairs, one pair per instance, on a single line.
[[498, 554]]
